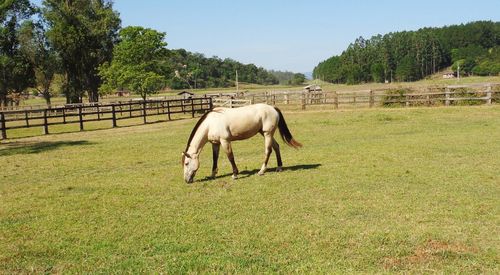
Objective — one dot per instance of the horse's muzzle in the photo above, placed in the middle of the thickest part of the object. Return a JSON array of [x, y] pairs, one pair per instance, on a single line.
[[189, 179]]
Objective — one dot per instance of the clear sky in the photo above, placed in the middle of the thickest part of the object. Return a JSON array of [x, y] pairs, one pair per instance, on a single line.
[[292, 35]]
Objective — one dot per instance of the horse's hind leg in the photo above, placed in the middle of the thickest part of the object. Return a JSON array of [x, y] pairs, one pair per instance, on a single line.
[[268, 144], [229, 151], [276, 148], [215, 150]]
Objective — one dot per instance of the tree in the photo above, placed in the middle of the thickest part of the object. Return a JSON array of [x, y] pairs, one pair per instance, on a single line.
[[16, 72], [406, 70], [298, 79], [138, 62], [377, 72], [412, 55], [42, 57], [83, 32]]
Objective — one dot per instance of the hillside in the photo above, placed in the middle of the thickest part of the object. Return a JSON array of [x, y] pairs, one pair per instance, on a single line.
[[414, 55]]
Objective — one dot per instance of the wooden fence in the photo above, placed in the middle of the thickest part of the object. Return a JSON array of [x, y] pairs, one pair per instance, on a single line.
[[431, 96], [84, 113], [230, 102], [392, 97], [103, 100]]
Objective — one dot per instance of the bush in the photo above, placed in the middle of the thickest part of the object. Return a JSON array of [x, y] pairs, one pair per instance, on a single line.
[[464, 93], [395, 98]]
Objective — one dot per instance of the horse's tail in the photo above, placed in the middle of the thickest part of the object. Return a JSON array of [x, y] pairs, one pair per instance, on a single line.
[[285, 132]]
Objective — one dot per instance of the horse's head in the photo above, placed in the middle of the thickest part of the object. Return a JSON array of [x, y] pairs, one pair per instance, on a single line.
[[191, 163]]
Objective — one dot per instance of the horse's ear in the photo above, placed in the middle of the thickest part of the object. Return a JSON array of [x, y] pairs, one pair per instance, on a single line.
[[186, 155]]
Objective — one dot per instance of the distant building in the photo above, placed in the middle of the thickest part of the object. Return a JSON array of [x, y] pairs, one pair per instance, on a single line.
[[185, 95], [122, 93], [448, 75], [312, 88]]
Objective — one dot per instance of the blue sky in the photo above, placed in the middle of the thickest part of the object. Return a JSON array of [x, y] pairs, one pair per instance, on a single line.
[[292, 35]]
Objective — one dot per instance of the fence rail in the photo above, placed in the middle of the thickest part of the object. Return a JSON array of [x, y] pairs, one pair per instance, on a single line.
[[84, 113], [230, 102]]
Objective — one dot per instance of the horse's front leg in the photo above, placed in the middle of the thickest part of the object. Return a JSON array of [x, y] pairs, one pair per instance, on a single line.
[[268, 143], [215, 151], [226, 145]]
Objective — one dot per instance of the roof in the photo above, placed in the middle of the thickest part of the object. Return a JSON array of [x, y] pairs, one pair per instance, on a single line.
[[184, 92], [312, 86]]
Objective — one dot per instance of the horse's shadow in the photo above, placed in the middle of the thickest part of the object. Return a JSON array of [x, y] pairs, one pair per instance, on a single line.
[[248, 173]]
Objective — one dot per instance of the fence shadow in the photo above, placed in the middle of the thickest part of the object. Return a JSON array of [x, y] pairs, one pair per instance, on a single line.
[[248, 173], [17, 148]]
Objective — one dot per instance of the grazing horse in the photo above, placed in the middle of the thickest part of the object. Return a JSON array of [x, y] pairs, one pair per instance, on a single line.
[[223, 125]]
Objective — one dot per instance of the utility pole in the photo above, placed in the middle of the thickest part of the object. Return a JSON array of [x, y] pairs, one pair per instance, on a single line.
[[237, 88], [458, 71]]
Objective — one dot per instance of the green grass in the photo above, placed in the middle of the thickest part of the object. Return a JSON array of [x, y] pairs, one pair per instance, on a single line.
[[374, 190]]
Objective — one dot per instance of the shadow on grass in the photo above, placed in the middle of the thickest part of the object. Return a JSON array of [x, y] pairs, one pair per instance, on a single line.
[[16, 148], [248, 173]]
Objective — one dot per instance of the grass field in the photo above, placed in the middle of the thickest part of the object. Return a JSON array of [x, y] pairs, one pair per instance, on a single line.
[[374, 190]]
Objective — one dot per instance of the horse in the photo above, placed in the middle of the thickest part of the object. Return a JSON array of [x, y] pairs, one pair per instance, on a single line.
[[221, 126]]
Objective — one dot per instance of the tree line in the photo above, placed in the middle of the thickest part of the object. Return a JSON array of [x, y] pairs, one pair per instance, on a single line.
[[81, 46], [413, 55], [289, 78]]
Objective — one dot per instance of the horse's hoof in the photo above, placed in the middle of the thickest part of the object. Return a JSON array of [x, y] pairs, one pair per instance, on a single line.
[[234, 177], [279, 169], [261, 173]]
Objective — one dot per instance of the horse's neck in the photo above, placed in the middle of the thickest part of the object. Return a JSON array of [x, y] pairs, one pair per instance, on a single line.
[[199, 140]]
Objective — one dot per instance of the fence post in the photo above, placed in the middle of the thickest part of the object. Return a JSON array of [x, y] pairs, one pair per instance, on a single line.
[[354, 99], [168, 109], [3, 126], [26, 118], [303, 101], [286, 99], [335, 100], [113, 115], [407, 100], [211, 103], [372, 99], [447, 96], [192, 107], [45, 123], [64, 115], [144, 111], [80, 117], [98, 112], [488, 95]]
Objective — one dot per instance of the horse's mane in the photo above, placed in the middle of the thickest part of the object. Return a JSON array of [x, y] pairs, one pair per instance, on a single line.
[[193, 132]]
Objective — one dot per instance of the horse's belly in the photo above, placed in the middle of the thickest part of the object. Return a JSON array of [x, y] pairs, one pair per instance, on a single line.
[[239, 134]]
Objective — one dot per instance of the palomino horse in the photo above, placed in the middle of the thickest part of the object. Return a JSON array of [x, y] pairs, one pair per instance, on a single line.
[[223, 125]]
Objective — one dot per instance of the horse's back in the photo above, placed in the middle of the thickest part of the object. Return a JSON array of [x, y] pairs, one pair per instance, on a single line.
[[244, 122]]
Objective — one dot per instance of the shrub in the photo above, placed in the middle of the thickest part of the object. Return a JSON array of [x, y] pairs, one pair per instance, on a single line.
[[395, 98]]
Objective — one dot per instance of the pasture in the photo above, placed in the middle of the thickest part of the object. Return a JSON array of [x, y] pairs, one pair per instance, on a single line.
[[372, 190]]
